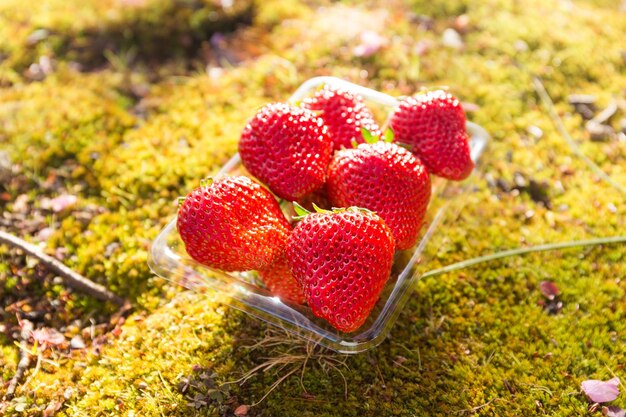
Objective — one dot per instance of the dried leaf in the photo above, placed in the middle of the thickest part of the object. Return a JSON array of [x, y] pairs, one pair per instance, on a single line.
[[613, 411], [601, 391], [242, 410], [52, 409], [549, 289]]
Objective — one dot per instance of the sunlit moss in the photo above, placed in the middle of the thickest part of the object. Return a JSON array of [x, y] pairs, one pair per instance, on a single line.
[[44, 124]]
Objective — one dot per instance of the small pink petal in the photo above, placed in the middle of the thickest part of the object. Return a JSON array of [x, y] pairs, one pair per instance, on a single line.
[[423, 47], [461, 23], [62, 202], [242, 410], [452, 39], [20, 205], [470, 107], [371, 42], [45, 233], [48, 336], [132, 3], [601, 391]]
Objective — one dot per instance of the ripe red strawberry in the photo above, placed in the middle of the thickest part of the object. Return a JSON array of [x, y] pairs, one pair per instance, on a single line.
[[232, 224], [387, 179], [344, 113], [433, 124], [287, 148], [342, 259], [281, 282]]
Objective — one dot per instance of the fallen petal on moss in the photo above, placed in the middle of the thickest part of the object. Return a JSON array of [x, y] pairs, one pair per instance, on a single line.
[[48, 336], [61, 202], [601, 391]]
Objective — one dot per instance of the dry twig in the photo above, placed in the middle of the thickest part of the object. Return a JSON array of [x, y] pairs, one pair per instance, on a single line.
[[24, 363], [71, 278]]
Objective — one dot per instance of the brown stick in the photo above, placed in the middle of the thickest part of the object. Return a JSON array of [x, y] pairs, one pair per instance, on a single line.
[[24, 363], [71, 278]]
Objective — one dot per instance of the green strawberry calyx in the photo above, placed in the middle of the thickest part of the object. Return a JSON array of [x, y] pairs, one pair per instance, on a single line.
[[302, 212], [389, 136], [205, 182], [369, 137]]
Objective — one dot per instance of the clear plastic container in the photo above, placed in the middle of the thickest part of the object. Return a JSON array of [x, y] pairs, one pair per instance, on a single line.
[[244, 291]]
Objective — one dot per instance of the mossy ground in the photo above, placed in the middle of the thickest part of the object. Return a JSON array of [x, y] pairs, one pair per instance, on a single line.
[[127, 122]]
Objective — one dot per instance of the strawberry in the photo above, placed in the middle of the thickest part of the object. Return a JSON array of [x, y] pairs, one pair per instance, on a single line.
[[387, 179], [433, 124], [281, 282], [287, 148], [232, 224], [344, 113], [342, 259]]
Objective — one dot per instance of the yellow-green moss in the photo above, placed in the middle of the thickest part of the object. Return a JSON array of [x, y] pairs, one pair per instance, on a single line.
[[89, 31], [45, 124]]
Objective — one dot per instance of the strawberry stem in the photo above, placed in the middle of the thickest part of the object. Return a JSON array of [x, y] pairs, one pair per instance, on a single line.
[[300, 211]]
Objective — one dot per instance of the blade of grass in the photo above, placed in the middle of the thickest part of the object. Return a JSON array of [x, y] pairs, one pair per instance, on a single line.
[[523, 251]]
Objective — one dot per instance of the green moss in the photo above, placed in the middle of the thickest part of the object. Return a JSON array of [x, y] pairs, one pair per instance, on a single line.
[[148, 355], [89, 31], [194, 128], [56, 122]]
